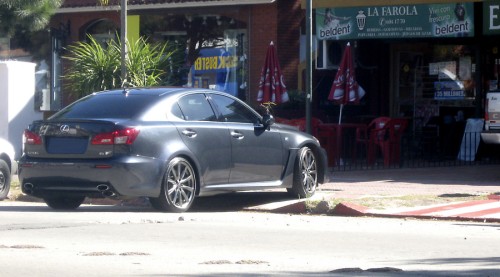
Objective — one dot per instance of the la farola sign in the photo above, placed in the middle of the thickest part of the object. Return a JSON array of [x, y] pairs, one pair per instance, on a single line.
[[403, 21], [491, 17]]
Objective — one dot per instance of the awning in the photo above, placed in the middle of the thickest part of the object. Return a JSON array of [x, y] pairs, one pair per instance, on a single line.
[[368, 3], [165, 4]]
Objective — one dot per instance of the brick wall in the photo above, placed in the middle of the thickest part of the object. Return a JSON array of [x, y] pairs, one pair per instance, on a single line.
[[290, 16], [263, 30], [279, 22]]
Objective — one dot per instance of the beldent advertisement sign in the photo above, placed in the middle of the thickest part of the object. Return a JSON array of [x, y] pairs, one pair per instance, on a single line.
[[404, 21], [491, 17]]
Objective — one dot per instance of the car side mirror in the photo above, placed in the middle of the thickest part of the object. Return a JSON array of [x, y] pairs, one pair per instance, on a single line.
[[268, 120]]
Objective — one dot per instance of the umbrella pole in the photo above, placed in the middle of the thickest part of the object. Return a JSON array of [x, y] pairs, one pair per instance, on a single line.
[[340, 116]]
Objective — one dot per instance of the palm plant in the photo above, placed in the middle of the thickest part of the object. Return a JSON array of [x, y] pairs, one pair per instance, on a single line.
[[95, 67], [25, 15], [148, 64]]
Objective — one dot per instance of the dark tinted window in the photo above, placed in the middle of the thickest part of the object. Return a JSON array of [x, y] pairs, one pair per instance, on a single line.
[[195, 107], [233, 111], [107, 106], [176, 111]]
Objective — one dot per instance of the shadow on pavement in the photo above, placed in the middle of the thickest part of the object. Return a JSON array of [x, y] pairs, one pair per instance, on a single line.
[[228, 202], [237, 201]]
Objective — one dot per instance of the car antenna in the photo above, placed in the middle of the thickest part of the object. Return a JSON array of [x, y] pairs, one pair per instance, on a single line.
[[125, 87]]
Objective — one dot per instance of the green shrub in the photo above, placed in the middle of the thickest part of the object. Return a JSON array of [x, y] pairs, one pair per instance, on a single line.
[[97, 67]]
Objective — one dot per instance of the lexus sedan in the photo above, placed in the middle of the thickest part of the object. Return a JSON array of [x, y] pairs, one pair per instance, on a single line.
[[167, 144]]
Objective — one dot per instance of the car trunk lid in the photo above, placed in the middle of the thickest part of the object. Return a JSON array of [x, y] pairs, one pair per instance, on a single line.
[[77, 139]]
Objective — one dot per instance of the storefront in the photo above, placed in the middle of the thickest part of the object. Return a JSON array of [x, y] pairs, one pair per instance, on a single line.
[[224, 41], [430, 62], [414, 60]]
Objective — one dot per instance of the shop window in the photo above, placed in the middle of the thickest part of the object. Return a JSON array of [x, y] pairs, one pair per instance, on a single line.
[[221, 68], [435, 84], [215, 49], [103, 30]]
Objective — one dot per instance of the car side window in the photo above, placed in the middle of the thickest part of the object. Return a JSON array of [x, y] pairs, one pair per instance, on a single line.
[[233, 111], [195, 107]]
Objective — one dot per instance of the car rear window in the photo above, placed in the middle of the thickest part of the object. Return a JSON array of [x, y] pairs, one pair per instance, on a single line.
[[107, 106]]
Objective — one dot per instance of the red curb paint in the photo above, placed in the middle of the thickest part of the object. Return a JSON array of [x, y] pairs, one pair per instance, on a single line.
[[480, 213], [349, 209], [494, 197], [297, 208], [445, 208]]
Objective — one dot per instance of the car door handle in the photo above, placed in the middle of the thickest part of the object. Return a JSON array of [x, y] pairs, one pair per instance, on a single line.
[[237, 135], [189, 133]]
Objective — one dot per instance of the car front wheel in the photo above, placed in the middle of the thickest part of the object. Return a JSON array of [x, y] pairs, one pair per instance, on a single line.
[[178, 187], [305, 175], [4, 179], [64, 203]]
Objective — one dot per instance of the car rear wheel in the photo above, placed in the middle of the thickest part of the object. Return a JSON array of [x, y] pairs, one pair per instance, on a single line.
[[64, 203], [178, 187], [4, 179], [305, 175]]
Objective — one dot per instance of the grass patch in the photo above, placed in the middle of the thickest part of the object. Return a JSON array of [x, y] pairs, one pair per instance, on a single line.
[[388, 202]]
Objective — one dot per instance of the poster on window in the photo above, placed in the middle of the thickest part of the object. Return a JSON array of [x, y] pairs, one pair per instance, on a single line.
[[216, 68]]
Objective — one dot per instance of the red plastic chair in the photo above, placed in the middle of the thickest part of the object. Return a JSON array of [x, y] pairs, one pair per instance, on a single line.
[[388, 140], [327, 137], [391, 145], [369, 136]]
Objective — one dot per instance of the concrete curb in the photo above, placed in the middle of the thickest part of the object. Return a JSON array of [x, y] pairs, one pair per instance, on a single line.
[[354, 210]]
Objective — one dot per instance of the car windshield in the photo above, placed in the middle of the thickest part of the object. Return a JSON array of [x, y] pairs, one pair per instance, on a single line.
[[107, 106]]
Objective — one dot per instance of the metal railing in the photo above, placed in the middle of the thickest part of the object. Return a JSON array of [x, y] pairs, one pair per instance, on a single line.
[[420, 150]]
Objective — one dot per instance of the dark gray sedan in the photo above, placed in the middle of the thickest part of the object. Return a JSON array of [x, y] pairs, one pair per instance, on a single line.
[[167, 144]]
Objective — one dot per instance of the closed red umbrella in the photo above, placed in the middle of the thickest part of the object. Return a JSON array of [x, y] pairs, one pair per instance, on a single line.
[[345, 89], [271, 86]]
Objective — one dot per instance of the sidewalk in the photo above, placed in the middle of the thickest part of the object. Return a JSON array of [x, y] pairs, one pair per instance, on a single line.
[[437, 192]]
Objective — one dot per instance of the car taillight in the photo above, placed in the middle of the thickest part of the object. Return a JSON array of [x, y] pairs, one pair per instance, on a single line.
[[124, 136], [32, 138]]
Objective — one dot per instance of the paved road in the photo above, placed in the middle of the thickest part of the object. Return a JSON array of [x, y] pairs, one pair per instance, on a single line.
[[137, 241]]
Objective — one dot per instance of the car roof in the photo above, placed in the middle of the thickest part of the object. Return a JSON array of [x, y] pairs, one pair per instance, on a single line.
[[152, 91]]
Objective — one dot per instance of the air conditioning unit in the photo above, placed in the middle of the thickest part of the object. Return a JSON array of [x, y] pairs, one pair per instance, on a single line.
[[329, 54]]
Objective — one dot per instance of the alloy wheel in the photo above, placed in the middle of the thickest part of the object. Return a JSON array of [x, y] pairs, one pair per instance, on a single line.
[[309, 172], [181, 183]]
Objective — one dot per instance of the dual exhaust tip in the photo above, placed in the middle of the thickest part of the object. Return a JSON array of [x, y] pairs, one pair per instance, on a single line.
[[104, 189], [28, 188]]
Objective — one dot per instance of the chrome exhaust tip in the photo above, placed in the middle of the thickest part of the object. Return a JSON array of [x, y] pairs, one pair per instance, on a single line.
[[102, 188], [28, 188], [106, 190]]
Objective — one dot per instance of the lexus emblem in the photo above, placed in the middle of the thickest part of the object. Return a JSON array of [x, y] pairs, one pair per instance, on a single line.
[[64, 129]]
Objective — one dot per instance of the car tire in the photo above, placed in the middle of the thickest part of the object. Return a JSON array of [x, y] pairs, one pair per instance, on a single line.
[[64, 203], [305, 174], [178, 187], [4, 179]]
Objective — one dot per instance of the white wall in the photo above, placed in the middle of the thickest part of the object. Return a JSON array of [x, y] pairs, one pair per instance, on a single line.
[[17, 107]]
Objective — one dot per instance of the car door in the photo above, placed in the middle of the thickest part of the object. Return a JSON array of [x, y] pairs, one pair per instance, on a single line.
[[207, 138], [257, 153]]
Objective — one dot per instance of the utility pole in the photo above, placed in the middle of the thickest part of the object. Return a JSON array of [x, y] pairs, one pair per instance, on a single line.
[[123, 40], [308, 64]]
